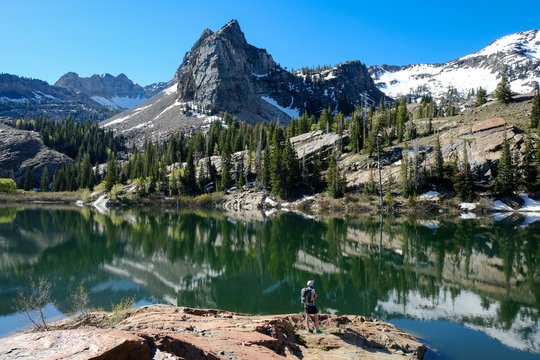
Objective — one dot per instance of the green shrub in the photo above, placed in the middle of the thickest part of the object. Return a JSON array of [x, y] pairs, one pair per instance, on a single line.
[[120, 310], [7, 185]]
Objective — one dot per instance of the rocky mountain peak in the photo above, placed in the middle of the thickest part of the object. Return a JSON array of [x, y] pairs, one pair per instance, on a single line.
[[106, 89], [205, 34], [223, 72], [233, 33]]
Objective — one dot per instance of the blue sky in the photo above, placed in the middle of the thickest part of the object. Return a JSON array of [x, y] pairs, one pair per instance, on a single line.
[[147, 40]]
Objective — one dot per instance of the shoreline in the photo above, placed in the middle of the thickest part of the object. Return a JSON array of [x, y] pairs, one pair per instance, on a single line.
[[165, 331], [250, 200]]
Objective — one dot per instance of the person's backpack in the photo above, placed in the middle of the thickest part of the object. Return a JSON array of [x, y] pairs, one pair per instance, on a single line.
[[304, 297]]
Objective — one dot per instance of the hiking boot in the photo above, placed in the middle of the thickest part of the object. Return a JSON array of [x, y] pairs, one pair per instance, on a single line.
[[319, 331], [310, 330]]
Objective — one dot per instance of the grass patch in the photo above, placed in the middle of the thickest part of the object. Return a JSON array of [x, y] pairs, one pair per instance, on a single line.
[[21, 196]]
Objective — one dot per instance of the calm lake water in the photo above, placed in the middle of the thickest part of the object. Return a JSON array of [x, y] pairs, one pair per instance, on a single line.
[[468, 288]]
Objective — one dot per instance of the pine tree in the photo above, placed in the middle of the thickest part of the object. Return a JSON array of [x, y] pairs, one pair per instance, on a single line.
[[535, 111], [84, 173], [463, 180], [503, 93], [481, 97], [189, 180], [265, 176], [45, 179], [290, 167], [439, 161], [404, 181], [276, 165], [401, 120], [504, 182], [226, 167], [27, 182], [111, 177], [528, 170], [334, 180]]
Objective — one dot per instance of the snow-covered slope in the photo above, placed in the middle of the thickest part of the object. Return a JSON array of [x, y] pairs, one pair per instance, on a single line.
[[116, 92], [159, 117], [517, 56]]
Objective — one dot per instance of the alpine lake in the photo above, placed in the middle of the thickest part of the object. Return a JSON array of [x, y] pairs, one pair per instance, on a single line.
[[469, 288]]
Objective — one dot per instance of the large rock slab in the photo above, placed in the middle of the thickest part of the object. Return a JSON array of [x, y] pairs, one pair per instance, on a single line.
[[75, 344], [168, 332], [309, 144]]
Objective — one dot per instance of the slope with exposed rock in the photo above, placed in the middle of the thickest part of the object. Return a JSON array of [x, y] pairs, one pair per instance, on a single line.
[[223, 72], [21, 149]]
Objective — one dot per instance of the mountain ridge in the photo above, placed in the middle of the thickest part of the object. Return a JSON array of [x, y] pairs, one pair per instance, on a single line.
[[516, 56], [223, 72]]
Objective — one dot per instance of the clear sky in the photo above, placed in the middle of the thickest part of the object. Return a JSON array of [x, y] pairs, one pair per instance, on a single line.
[[147, 40]]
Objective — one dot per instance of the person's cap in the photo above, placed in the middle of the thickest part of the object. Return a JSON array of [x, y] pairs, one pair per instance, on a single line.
[[311, 283]]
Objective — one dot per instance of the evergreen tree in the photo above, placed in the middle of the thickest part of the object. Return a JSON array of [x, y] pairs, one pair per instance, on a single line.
[[481, 97], [357, 141], [528, 170], [535, 111], [401, 120], [226, 167], [276, 165], [189, 180], [439, 161], [84, 173], [463, 181], [111, 176], [404, 181], [265, 175], [27, 182], [504, 182], [290, 167], [334, 180], [503, 93], [45, 179]]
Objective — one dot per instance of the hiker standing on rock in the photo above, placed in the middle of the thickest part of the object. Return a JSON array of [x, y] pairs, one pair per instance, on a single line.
[[308, 299]]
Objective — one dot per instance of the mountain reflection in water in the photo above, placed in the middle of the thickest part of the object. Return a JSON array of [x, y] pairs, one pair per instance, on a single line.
[[480, 273]]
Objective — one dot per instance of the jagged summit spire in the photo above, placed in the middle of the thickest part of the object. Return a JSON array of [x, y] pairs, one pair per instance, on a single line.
[[232, 32], [205, 34]]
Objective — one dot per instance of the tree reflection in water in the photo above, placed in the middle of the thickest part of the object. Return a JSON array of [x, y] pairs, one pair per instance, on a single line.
[[391, 267]]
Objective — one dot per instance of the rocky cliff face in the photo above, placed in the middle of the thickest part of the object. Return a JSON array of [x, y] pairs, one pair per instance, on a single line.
[[113, 91], [517, 56], [223, 72]]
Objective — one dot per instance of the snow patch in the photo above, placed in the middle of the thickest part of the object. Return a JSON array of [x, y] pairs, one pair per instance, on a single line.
[[430, 195], [467, 206], [529, 205], [270, 202], [287, 110], [498, 205]]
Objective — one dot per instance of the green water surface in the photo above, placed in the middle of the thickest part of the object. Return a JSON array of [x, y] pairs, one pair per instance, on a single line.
[[468, 288]]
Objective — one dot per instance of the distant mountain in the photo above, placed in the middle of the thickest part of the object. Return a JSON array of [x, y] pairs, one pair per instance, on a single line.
[[156, 88], [27, 98], [517, 56], [113, 91], [222, 72]]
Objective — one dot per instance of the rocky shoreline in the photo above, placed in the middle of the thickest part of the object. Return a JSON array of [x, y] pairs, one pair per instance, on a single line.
[[169, 332]]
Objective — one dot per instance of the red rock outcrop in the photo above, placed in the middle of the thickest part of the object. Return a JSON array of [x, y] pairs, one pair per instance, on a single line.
[[167, 332]]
